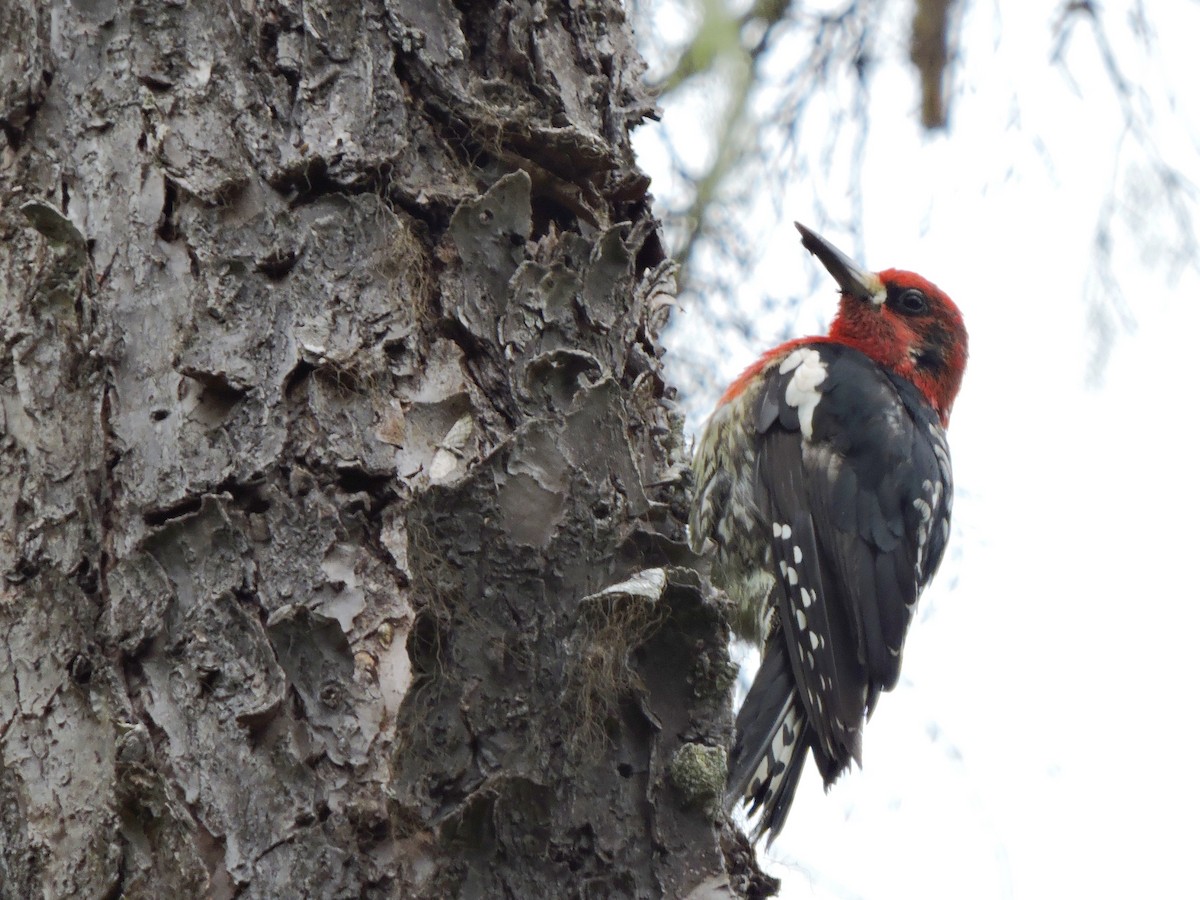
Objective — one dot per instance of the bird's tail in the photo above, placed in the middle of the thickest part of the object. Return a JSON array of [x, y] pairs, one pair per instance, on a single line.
[[772, 740]]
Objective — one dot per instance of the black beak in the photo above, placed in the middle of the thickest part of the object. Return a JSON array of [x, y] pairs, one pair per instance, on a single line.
[[850, 276]]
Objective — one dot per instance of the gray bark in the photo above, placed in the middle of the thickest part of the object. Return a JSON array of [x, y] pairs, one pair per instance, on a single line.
[[341, 498]]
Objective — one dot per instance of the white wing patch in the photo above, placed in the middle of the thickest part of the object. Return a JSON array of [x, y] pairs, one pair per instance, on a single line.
[[793, 359], [801, 391]]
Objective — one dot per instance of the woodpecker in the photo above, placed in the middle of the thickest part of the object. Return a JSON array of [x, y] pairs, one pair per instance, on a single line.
[[823, 494]]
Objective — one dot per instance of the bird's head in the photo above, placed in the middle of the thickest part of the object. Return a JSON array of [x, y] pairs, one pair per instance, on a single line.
[[899, 319]]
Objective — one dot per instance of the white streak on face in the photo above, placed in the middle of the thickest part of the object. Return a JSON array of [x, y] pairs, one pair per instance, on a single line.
[[801, 391]]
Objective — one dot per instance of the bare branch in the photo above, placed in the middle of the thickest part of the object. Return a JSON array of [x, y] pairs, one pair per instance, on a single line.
[[928, 52], [1154, 182]]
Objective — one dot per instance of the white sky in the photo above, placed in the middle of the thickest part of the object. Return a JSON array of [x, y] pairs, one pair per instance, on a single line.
[[1042, 742]]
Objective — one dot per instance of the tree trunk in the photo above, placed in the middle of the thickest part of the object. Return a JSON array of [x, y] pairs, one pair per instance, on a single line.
[[342, 520]]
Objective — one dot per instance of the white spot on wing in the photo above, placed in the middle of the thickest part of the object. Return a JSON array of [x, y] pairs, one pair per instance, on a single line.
[[776, 529], [793, 359], [792, 576], [807, 596], [813, 639], [786, 532], [796, 554], [801, 619], [801, 391], [940, 448]]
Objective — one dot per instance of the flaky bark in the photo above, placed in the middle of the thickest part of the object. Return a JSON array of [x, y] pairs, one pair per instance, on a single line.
[[342, 502]]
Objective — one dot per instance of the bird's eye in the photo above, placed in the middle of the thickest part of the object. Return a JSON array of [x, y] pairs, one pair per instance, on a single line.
[[912, 301]]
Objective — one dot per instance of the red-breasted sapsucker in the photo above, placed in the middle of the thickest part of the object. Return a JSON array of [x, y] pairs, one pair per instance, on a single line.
[[823, 493]]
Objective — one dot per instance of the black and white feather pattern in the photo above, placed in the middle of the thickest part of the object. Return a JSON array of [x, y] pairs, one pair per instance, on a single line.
[[854, 487]]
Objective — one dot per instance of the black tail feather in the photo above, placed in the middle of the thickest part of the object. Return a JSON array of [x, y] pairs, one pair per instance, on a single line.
[[771, 744]]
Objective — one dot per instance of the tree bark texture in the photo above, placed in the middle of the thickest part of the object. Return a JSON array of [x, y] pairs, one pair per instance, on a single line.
[[341, 498]]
